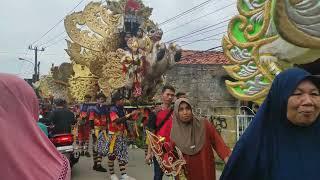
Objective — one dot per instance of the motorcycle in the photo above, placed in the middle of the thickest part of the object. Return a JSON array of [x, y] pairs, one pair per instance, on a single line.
[[65, 145], [64, 142]]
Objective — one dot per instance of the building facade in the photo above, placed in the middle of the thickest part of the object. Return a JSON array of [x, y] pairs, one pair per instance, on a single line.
[[202, 77]]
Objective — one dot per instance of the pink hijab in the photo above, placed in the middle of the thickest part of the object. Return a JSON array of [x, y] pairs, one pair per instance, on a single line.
[[25, 151]]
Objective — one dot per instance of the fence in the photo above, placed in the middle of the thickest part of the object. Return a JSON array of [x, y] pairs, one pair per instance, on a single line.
[[243, 122]]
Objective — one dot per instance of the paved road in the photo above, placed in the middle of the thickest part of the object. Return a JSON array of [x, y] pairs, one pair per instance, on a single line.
[[136, 168]]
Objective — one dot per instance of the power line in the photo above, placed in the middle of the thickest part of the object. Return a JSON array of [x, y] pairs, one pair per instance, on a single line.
[[204, 32], [193, 20], [204, 38], [198, 30], [19, 53], [55, 37], [192, 14], [56, 42], [201, 30], [56, 24], [213, 39], [185, 12], [200, 40], [3, 52]]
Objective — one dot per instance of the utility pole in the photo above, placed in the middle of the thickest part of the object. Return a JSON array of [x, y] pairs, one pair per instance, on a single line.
[[35, 76], [38, 71]]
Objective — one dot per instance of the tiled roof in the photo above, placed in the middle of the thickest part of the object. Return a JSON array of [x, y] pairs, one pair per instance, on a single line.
[[203, 57]]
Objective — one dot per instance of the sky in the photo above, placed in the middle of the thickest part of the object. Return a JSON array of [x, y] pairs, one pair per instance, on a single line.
[[24, 22]]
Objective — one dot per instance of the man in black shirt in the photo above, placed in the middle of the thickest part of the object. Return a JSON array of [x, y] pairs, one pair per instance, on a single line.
[[62, 118]]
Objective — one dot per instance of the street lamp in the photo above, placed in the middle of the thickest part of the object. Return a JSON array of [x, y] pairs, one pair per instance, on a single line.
[[35, 76], [22, 59]]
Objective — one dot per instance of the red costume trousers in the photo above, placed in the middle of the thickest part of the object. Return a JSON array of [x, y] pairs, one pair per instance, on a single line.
[[84, 132]]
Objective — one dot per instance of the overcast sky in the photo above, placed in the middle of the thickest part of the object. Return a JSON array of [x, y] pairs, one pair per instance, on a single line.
[[25, 21]]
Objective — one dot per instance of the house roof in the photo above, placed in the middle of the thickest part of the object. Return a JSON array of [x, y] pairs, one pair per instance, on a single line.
[[203, 57]]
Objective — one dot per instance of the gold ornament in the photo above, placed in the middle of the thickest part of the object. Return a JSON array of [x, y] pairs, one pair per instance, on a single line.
[[97, 45], [82, 83], [49, 88]]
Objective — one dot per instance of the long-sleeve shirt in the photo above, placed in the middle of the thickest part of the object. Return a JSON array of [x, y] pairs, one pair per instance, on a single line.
[[117, 119], [84, 110], [99, 114], [62, 119], [202, 165]]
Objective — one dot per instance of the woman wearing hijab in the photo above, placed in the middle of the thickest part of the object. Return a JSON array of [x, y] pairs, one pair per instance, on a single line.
[[25, 152], [196, 139], [282, 141]]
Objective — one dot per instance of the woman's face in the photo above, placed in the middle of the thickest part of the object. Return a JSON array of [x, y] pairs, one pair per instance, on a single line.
[[304, 104], [185, 112]]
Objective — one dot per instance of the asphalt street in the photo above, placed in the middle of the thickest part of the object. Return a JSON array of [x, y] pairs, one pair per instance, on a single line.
[[136, 168]]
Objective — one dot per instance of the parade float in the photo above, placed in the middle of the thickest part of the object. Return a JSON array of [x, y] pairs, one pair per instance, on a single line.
[[113, 46], [55, 84], [267, 37]]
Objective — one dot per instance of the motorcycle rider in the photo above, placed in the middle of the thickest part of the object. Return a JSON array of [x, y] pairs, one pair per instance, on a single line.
[[61, 118]]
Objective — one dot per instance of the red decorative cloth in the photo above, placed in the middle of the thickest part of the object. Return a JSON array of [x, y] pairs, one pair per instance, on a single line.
[[84, 132], [112, 126], [132, 5], [169, 157], [99, 120]]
